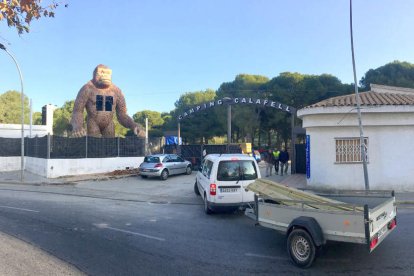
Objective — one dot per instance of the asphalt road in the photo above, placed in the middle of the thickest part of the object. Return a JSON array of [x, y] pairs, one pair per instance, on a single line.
[[148, 227]]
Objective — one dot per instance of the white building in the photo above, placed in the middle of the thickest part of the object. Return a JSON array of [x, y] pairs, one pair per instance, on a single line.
[[15, 130], [333, 133], [12, 163]]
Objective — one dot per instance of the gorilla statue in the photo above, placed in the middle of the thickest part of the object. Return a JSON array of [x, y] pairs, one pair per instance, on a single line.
[[101, 98]]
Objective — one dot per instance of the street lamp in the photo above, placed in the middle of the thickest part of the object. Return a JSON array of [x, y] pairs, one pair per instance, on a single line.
[[22, 98]]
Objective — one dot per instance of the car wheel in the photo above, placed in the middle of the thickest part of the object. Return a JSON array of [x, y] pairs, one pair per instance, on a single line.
[[207, 209], [188, 170], [301, 248], [164, 175], [196, 190], [144, 176]]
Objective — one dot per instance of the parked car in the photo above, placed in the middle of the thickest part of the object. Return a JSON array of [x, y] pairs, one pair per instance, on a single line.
[[222, 179], [164, 165]]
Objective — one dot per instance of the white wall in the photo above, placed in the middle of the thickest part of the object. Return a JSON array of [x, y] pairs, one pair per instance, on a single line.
[[36, 165], [53, 168], [15, 130], [390, 150], [11, 163]]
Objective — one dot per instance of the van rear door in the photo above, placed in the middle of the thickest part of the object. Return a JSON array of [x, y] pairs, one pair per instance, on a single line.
[[249, 172], [229, 182]]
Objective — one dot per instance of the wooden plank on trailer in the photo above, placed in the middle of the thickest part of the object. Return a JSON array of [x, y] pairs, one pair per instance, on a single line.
[[279, 192]]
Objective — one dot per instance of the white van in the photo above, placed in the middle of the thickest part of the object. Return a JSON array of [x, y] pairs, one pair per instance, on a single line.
[[222, 179]]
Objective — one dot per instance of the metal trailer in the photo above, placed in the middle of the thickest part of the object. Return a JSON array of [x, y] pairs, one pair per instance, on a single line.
[[365, 217]]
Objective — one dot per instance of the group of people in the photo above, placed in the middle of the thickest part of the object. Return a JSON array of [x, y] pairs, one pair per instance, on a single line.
[[277, 159]]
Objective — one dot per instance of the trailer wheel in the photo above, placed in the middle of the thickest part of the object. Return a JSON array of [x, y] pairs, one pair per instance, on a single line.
[[301, 248]]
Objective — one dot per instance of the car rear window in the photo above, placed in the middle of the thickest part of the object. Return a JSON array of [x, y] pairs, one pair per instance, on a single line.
[[236, 170], [152, 159]]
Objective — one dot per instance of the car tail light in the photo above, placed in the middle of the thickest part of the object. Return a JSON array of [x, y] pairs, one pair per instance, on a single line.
[[392, 224], [373, 242], [213, 189], [159, 165]]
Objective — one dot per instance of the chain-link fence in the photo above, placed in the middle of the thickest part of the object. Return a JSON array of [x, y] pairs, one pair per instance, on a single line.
[[56, 147], [195, 153], [10, 147]]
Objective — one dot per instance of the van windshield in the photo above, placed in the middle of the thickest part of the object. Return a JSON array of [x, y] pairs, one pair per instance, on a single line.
[[236, 170]]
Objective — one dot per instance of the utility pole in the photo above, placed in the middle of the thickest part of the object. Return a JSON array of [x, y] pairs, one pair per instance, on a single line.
[[358, 100], [22, 115]]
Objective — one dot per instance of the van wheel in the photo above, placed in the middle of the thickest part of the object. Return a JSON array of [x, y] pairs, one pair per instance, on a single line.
[[301, 248], [207, 209], [164, 175], [196, 190], [188, 170]]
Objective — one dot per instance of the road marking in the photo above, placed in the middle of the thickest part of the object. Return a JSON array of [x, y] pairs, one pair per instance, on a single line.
[[21, 209], [105, 226], [266, 256]]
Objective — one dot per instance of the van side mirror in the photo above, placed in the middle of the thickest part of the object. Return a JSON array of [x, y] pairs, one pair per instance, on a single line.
[[200, 168]]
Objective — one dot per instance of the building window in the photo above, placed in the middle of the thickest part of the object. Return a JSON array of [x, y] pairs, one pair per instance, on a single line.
[[348, 150]]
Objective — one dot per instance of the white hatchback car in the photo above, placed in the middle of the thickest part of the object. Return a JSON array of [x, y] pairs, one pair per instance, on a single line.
[[222, 180]]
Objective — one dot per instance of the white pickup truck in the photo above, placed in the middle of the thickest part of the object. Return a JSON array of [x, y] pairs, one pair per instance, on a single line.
[[363, 217]]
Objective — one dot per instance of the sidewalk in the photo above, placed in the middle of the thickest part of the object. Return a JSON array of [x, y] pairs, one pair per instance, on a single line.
[[299, 181], [21, 258], [14, 177]]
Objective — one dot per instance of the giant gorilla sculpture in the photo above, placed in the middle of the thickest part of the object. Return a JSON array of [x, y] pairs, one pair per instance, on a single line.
[[101, 98]]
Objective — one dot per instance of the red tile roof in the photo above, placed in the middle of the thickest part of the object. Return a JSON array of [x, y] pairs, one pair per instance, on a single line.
[[368, 99]]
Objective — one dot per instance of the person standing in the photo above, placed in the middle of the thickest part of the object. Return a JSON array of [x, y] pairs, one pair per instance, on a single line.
[[269, 162], [276, 154], [284, 158]]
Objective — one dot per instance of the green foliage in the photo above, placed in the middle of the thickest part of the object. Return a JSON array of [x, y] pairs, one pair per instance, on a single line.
[[245, 119], [61, 119], [11, 108], [203, 125], [294, 89], [37, 118], [154, 118], [120, 130], [155, 133], [394, 74], [19, 13]]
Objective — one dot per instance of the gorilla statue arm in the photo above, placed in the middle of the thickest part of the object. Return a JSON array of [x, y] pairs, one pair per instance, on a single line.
[[124, 119], [77, 116]]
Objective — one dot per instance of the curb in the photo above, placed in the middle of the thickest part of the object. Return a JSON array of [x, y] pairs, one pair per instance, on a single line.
[[66, 182], [36, 183]]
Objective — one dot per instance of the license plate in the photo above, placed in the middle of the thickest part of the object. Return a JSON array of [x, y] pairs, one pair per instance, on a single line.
[[382, 231], [228, 190], [145, 170]]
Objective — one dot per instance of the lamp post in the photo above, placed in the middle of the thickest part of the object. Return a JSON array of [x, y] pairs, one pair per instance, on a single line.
[[358, 102], [22, 98]]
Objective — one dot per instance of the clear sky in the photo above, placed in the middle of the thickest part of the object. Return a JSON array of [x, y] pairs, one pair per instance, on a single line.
[[160, 49]]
